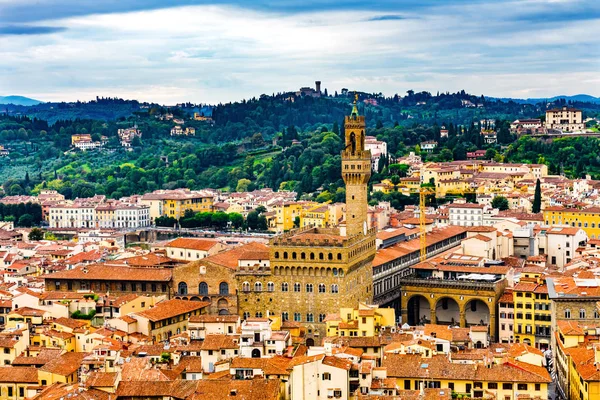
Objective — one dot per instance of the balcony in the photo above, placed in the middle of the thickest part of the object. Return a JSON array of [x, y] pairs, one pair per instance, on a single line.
[[444, 283]]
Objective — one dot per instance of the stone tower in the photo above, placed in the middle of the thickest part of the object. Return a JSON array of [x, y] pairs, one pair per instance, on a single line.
[[356, 171]]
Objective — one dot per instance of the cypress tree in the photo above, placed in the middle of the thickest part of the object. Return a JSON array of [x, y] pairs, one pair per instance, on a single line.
[[537, 198]]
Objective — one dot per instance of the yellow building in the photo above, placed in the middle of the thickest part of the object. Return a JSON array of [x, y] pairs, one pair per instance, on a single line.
[[57, 339], [168, 318], [15, 380], [317, 216], [12, 344], [511, 380], [576, 356], [532, 313], [174, 203], [20, 317], [366, 320], [285, 215], [62, 369], [587, 219], [386, 186]]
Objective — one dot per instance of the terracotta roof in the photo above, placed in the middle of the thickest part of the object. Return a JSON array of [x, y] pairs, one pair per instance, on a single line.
[[480, 237], [72, 391], [102, 379], [28, 312], [146, 260], [218, 342], [440, 367], [193, 243], [114, 273], [64, 365], [178, 389], [70, 322], [18, 375], [255, 389], [172, 308], [230, 258]]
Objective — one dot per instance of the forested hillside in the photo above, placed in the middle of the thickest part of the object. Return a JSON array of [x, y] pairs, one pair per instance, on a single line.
[[249, 144]]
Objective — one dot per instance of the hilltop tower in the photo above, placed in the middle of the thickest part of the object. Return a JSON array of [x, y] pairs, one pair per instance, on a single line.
[[312, 272], [356, 172]]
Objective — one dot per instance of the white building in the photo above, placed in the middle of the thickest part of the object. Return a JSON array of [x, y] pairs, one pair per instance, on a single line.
[[378, 149], [565, 119], [428, 146], [132, 216], [258, 340], [73, 215], [200, 326], [466, 214], [562, 244], [321, 377]]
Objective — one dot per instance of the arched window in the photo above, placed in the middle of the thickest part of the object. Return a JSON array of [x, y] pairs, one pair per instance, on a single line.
[[285, 316], [297, 287], [334, 288], [246, 315], [320, 256], [182, 288], [258, 314], [567, 313], [258, 287], [322, 317], [284, 287], [309, 288], [303, 255], [330, 256], [245, 287], [276, 254], [223, 289], [297, 317], [322, 288], [285, 256], [293, 255], [581, 313], [203, 288], [339, 256], [310, 317], [270, 287]]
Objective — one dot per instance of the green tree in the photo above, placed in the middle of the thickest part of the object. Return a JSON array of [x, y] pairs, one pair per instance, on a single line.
[[537, 198], [25, 220], [36, 234], [242, 185], [236, 219], [500, 202]]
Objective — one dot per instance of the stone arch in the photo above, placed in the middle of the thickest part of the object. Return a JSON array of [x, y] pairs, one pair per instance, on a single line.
[[329, 256], [223, 304], [477, 312], [206, 299], [310, 342], [304, 271], [447, 311], [294, 255], [275, 270], [303, 256], [182, 288], [224, 289], [255, 353], [195, 298], [328, 272], [311, 271], [292, 270], [287, 271], [312, 256]]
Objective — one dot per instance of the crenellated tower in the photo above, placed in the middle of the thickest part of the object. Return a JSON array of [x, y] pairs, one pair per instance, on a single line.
[[356, 172]]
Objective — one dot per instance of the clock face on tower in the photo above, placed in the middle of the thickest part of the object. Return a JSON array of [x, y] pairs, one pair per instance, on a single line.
[[365, 227]]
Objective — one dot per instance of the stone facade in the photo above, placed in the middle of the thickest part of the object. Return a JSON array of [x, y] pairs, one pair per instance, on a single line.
[[315, 271], [206, 281]]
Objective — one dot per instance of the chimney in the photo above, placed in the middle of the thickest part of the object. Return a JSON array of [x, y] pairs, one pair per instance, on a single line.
[[318, 86]]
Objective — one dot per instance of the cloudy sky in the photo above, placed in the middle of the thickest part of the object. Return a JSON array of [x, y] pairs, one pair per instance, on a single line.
[[226, 50]]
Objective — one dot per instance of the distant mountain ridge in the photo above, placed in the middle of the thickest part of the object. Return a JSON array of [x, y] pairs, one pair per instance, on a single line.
[[578, 97], [19, 100]]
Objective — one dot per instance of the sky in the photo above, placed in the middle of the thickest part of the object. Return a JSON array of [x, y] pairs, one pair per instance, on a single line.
[[226, 50]]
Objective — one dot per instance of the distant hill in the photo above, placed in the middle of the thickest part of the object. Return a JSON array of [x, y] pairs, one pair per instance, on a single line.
[[576, 98], [19, 101]]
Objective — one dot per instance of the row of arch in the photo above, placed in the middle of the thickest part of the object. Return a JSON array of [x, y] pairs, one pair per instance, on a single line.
[[447, 311], [312, 256], [308, 271], [285, 316], [203, 289], [296, 287]]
